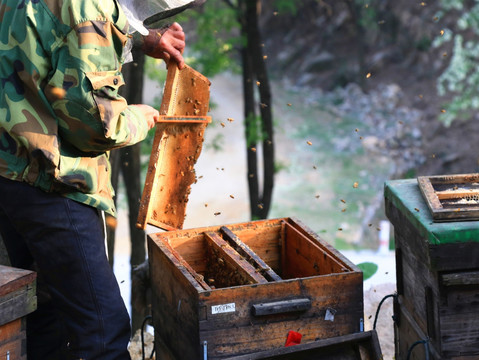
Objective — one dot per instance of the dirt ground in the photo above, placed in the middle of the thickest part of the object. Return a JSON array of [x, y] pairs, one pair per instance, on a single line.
[[384, 325]]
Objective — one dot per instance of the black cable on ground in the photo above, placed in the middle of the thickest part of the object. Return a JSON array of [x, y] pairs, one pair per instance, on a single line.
[[149, 317], [425, 342], [426, 346], [379, 307], [152, 352]]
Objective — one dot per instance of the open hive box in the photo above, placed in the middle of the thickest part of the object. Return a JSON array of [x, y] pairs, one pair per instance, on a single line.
[[238, 289]]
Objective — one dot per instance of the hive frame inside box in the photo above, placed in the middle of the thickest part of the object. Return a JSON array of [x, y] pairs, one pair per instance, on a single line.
[[316, 291]]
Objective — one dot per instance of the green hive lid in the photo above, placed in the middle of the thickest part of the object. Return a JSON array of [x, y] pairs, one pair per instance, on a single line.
[[406, 196]]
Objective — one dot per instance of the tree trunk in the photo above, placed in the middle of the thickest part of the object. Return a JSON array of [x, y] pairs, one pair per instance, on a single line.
[[251, 130], [255, 76], [356, 12], [255, 48]]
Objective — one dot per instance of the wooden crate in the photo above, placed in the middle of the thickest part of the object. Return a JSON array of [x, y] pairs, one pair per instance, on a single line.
[[437, 271], [236, 290], [17, 299]]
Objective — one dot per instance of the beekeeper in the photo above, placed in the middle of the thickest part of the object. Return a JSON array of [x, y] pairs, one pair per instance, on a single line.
[[61, 114]]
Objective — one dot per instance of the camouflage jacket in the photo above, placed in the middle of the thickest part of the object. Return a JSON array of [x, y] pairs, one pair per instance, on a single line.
[[60, 112]]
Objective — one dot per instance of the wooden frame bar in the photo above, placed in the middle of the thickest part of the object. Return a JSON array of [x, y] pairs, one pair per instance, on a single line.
[[179, 120], [245, 251], [451, 197], [234, 260]]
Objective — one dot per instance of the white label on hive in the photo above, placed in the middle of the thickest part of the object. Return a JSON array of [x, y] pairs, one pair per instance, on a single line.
[[329, 314], [224, 308]]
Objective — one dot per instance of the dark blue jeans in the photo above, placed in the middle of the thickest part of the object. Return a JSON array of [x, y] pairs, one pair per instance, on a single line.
[[80, 314]]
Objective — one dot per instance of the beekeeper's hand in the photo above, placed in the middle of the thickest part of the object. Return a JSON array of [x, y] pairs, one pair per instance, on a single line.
[[152, 116], [166, 43]]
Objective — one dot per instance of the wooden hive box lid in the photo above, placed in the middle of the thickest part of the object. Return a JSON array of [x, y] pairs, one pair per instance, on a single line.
[[17, 293]]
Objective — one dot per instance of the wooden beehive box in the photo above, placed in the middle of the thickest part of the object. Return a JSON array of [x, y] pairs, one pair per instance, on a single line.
[[437, 272], [17, 299], [232, 290]]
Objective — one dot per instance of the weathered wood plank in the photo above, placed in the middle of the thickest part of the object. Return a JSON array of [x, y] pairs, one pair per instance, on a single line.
[[459, 324], [407, 335], [11, 330], [182, 264], [318, 349], [174, 301], [17, 293], [14, 350], [263, 240], [305, 258], [12, 339], [336, 309], [415, 279], [18, 304], [460, 278], [451, 257], [12, 279], [251, 256], [310, 234], [193, 252], [232, 270]]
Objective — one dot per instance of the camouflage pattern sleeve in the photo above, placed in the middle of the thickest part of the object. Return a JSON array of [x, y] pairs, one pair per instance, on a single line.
[[93, 117]]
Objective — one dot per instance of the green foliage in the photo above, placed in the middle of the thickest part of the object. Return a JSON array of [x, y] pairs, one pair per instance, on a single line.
[[217, 143], [367, 13], [155, 69], [254, 133], [287, 6], [452, 4], [280, 166], [368, 269], [216, 38], [410, 174], [460, 79], [423, 44]]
